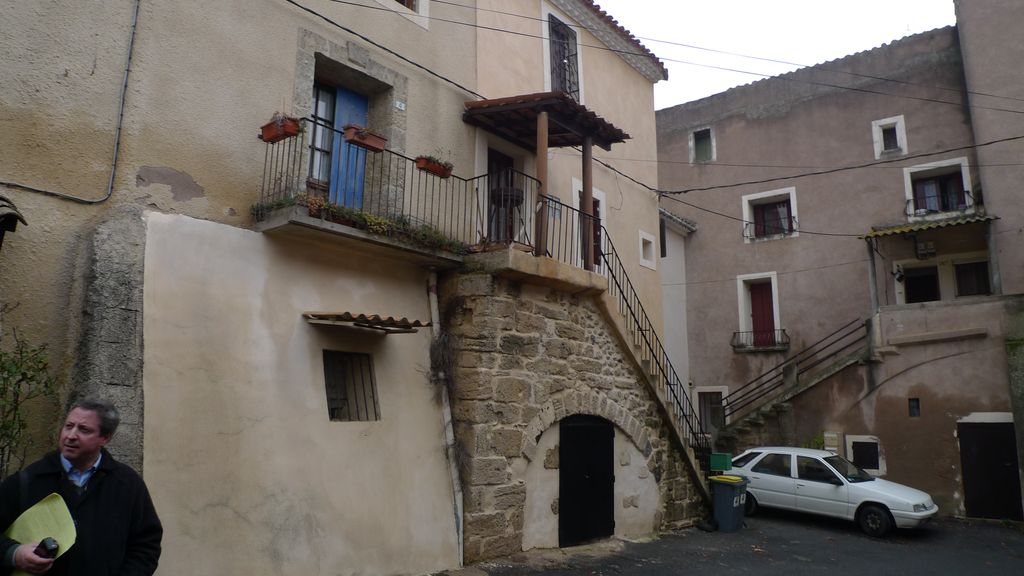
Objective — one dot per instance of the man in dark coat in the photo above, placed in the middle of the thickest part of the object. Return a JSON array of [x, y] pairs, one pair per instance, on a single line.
[[118, 531]]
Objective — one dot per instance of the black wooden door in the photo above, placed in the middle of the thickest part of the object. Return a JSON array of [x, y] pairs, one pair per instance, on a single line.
[[988, 456], [586, 480]]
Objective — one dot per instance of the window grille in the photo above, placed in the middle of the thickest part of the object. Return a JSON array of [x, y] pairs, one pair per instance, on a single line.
[[564, 63], [351, 387]]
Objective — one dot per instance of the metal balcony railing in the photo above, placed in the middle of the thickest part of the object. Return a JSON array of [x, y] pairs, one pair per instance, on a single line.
[[768, 228], [760, 340], [568, 233], [380, 190]]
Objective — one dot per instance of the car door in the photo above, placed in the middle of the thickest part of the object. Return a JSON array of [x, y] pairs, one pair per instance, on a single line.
[[772, 482], [819, 489]]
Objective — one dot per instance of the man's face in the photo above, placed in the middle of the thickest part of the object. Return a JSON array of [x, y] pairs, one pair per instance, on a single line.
[[80, 438]]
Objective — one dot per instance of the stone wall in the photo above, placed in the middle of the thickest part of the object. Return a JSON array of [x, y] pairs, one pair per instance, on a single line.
[[528, 356]]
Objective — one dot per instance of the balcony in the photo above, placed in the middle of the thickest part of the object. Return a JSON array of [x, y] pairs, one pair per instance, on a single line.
[[760, 341], [381, 197]]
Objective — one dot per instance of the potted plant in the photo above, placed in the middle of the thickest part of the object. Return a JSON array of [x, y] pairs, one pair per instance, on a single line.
[[364, 138], [434, 165], [281, 126]]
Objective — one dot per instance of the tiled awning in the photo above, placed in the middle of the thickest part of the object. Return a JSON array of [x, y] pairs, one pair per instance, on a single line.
[[877, 232], [389, 325], [515, 119]]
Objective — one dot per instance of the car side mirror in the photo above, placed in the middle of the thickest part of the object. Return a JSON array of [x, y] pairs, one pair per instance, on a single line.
[[835, 481]]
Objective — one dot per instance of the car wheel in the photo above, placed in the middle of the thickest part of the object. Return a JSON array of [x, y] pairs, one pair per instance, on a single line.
[[750, 508], [874, 520]]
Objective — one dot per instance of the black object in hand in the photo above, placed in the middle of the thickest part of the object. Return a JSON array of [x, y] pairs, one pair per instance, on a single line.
[[47, 548]]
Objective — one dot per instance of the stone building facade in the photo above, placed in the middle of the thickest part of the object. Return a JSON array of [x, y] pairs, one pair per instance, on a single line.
[[528, 357]]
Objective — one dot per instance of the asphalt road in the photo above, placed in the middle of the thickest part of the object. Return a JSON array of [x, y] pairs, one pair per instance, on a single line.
[[783, 543]]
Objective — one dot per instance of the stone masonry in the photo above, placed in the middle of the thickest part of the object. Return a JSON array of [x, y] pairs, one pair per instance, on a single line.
[[528, 356]]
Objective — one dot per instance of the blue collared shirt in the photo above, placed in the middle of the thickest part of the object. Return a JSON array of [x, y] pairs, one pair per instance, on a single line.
[[80, 478]]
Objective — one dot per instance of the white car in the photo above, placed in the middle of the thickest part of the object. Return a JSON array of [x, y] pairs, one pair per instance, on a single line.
[[824, 483]]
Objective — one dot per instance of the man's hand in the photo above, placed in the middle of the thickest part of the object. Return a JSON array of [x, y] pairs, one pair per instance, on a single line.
[[25, 559]]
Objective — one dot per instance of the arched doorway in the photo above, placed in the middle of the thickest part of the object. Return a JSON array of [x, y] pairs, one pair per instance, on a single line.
[[586, 479]]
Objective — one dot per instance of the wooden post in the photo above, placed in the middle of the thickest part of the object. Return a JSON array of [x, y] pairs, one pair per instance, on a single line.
[[587, 204], [540, 222]]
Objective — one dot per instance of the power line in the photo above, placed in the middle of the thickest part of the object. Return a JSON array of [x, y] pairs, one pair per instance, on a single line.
[[783, 77], [783, 273], [844, 168]]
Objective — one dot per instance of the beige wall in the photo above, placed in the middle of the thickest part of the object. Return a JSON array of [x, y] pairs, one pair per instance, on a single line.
[[204, 77], [239, 447], [511, 64]]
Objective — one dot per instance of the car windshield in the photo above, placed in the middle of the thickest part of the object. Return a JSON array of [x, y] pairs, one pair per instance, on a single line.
[[848, 469]]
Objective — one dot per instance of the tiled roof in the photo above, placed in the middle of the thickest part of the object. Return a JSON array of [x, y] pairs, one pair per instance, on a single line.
[[389, 325], [626, 34]]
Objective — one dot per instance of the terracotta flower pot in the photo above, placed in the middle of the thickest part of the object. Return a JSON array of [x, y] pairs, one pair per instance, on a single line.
[[435, 168], [279, 128], [364, 138]]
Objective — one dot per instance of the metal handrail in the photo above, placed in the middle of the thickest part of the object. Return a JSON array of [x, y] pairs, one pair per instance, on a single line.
[[804, 360], [569, 249]]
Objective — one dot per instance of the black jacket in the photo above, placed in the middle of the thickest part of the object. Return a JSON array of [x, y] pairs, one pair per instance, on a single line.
[[119, 532]]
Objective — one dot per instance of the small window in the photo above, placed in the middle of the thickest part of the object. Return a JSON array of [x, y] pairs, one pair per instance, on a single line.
[[889, 140], [647, 257], [410, 4], [744, 459], [814, 470], [921, 284], [890, 136], [351, 387], [703, 149], [865, 455], [662, 240], [972, 279], [914, 407], [776, 464]]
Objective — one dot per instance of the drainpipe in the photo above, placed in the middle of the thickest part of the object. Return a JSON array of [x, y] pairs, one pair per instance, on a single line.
[[446, 416], [872, 276]]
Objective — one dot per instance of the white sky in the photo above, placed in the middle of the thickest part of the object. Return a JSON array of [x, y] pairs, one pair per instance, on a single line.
[[806, 32]]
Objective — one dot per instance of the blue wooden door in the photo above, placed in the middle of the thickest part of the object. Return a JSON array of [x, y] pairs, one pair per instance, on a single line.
[[349, 167]]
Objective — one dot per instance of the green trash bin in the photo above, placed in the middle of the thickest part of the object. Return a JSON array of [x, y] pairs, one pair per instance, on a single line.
[[729, 496]]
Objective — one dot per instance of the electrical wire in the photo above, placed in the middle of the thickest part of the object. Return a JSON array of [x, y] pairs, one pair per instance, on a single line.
[[784, 77]]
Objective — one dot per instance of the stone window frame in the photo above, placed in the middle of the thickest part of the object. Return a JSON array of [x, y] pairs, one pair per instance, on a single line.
[[748, 201], [354, 66], [949, 165]]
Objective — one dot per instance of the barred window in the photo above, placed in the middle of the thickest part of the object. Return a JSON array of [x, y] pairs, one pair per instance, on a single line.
[[351, 387]]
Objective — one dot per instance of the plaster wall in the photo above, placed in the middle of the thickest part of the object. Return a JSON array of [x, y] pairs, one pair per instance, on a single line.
[[770, 130], [991, 61], [239, 446]]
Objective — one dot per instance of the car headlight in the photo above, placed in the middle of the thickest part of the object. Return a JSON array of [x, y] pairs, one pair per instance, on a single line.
[[922, 507]]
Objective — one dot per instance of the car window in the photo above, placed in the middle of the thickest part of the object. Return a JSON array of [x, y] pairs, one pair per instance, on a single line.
[[744, 459], [848, 470], [812, 469], [777, 464]]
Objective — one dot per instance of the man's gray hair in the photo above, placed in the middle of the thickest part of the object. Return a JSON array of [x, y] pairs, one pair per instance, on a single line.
[[109, 416]]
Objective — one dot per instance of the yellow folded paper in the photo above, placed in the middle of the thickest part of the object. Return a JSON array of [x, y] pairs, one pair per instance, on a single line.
[[49, 517]]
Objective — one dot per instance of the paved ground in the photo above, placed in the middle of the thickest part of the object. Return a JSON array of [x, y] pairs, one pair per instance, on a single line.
[[791, 544]]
